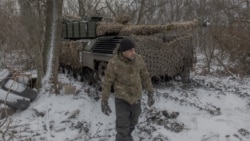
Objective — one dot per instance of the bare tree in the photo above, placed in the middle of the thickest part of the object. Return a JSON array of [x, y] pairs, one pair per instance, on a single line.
[[88, 8], [44, 44], [234, 33], [52, 39], [32, 18], [221, 13]]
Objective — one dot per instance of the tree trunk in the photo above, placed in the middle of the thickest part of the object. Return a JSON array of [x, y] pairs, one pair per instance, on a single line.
[[81, 8], [52, 42], [140, 13], [34, 29]]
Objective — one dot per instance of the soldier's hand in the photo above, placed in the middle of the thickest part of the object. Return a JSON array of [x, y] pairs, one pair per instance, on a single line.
[[151, 100], [105, 107]]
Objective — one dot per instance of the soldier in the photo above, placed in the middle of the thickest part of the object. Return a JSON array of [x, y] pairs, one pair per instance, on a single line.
[[128, 73]]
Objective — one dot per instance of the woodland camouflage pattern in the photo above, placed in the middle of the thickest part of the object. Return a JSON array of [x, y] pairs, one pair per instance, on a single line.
[[69, 53], [127, 77], [107, 28], [167, 58], [172, 58]]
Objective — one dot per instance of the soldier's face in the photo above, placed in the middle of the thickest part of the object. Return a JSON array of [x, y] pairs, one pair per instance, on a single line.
[[130, 54]]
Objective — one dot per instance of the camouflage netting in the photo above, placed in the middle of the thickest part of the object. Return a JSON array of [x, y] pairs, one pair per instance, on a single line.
[[170, 57], [114, 28], [69, 53], [123, 19], [163, 58], [166, 59]]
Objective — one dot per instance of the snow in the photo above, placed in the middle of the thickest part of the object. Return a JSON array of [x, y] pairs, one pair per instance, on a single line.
[[3, 74], [212, 109], [13, 85], [10, 97]]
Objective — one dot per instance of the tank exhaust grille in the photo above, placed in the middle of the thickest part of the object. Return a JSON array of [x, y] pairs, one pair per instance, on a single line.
[[106, 45]]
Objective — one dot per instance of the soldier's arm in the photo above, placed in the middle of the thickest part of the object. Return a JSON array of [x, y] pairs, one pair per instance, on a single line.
[[108, 81], [146, 79]]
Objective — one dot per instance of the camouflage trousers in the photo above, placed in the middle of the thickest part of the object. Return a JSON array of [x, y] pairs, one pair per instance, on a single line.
[[126, 119]]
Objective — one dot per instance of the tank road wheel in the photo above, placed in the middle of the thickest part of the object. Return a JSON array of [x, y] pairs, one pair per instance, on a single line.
[[87, 75], [101, 71]]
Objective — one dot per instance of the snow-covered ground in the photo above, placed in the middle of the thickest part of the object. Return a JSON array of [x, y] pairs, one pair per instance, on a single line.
[[210, 109]]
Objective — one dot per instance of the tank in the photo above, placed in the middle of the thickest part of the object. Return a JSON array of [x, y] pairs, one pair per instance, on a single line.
[[165, 56]]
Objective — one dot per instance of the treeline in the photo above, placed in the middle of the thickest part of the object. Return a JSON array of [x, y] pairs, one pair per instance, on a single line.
[[224, 43]]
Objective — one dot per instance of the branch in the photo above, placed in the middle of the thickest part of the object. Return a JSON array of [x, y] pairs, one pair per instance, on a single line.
[[226, 68], [110, 8]]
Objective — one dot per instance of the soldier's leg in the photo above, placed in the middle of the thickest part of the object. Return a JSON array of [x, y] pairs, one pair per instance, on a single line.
[[122, 120], [134, 116]]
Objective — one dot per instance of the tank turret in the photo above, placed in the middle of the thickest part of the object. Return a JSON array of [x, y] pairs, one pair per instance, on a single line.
[[94, 42]]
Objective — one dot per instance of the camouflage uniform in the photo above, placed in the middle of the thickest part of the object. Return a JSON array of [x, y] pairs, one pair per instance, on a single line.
[[127, 77]]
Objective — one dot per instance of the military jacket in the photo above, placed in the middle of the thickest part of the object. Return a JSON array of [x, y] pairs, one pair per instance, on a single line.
[[128, 78]]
